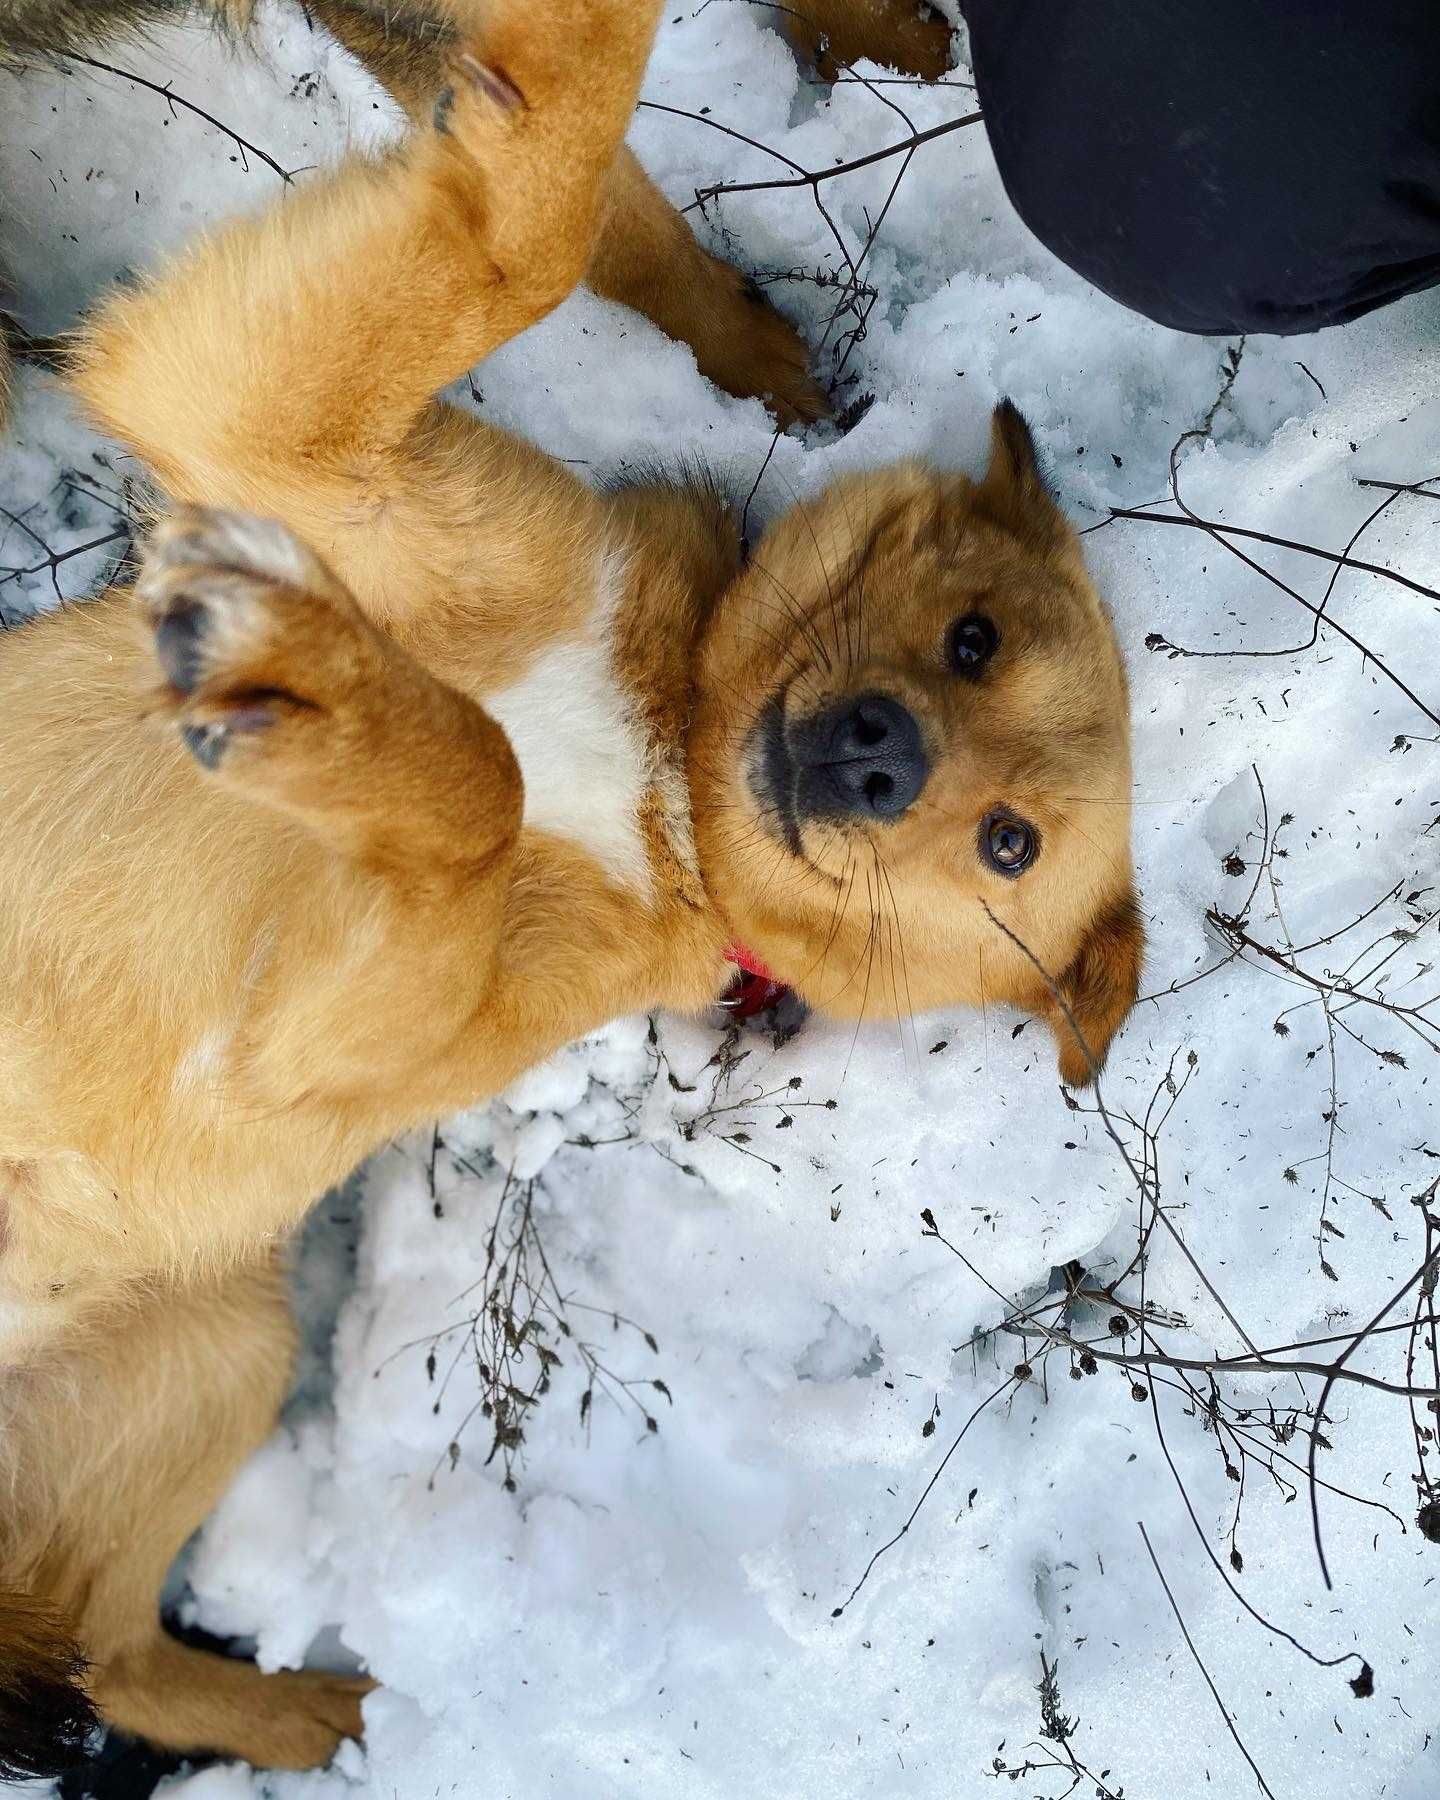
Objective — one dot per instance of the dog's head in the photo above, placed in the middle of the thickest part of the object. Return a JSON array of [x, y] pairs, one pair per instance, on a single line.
[[910, 761]]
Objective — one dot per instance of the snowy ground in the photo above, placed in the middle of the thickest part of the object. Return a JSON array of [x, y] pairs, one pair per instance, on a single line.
[[654, 1612]]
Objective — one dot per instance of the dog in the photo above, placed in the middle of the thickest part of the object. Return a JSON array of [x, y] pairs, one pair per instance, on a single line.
[[411, 758]]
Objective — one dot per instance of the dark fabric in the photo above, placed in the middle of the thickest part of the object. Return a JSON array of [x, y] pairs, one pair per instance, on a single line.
[[1222, 165]]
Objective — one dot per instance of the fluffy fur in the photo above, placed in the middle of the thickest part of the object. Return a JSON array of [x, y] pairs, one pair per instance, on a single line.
[[36, 28], [274, 884]]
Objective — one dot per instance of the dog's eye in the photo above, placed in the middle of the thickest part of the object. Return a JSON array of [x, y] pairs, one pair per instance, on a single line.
[[971, 643], [1008, 844]]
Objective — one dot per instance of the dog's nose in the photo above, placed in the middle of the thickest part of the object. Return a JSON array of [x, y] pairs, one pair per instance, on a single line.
[[861, 758]]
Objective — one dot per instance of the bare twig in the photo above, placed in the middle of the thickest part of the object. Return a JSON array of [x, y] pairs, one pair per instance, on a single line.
[[172, 100], [1199, 1664]]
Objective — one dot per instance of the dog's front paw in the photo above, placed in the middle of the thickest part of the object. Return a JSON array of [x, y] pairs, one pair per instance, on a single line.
[[254, 639]]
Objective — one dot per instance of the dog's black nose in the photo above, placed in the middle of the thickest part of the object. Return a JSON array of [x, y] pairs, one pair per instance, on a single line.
[[861, 758]]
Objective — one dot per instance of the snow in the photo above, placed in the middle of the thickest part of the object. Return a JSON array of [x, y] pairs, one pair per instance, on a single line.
[[652, 1612]]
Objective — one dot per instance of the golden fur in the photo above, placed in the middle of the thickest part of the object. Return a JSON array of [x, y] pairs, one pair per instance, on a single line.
[[904, 34], [272, 889]]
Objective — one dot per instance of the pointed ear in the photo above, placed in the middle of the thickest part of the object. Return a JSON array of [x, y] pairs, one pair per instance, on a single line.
[[1013, 492], [1099, 987]]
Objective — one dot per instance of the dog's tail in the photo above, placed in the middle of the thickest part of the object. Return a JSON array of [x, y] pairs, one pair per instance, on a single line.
[[31, 28], [47, 1719]]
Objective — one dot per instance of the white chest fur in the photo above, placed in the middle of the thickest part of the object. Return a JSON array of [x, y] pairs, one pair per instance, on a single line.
[[22, 1324], [585, 757]]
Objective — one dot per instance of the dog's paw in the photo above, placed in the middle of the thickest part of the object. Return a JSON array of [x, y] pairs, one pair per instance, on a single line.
[[919, 42], [309, 1716], [252, 637], [478, 103], [745, 346], [898, 34]]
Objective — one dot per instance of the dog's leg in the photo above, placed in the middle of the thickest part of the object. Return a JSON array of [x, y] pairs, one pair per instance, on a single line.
[[123, 1452], [442, 950], [287, 365], [646, 258], [283, 690], [898, 34], [285, 694]]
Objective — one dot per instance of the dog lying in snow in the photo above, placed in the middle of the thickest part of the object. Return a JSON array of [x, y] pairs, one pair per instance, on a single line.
[[409, 759]]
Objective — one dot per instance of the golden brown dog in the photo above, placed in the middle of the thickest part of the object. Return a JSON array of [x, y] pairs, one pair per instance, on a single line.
[[411, 758]]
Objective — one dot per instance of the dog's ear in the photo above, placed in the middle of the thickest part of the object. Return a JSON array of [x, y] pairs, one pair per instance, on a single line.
[[1099, 987], [1013, 492]]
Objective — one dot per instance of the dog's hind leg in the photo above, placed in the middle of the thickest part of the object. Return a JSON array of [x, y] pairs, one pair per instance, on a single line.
[[132, 1436], [646, 256]]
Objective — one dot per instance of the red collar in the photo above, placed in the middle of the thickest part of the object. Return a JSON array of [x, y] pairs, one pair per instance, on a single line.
[[748, 961], [755, 989]]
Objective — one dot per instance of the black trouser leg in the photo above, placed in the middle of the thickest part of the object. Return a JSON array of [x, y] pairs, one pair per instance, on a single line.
[[1222, 165]]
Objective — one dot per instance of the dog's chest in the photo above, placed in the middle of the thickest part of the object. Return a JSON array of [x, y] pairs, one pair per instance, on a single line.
[[18, 1322], [587, 759], [15, 1313]]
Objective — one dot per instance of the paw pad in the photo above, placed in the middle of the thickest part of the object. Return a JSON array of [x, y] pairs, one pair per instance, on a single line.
[[179, 634], [206, 743]]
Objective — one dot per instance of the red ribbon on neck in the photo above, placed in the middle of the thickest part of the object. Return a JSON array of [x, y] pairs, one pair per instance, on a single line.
[[755, 988], [748, 961]]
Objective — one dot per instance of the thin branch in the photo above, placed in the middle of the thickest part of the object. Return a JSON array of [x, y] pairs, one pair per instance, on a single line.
[[1190, 1646], [812, 178], [1217, 528], [173, 100], [1009, 1382], [1336, 1369]]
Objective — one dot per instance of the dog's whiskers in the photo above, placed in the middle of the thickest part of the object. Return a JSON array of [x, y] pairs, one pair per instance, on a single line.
[[908, 1010]]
